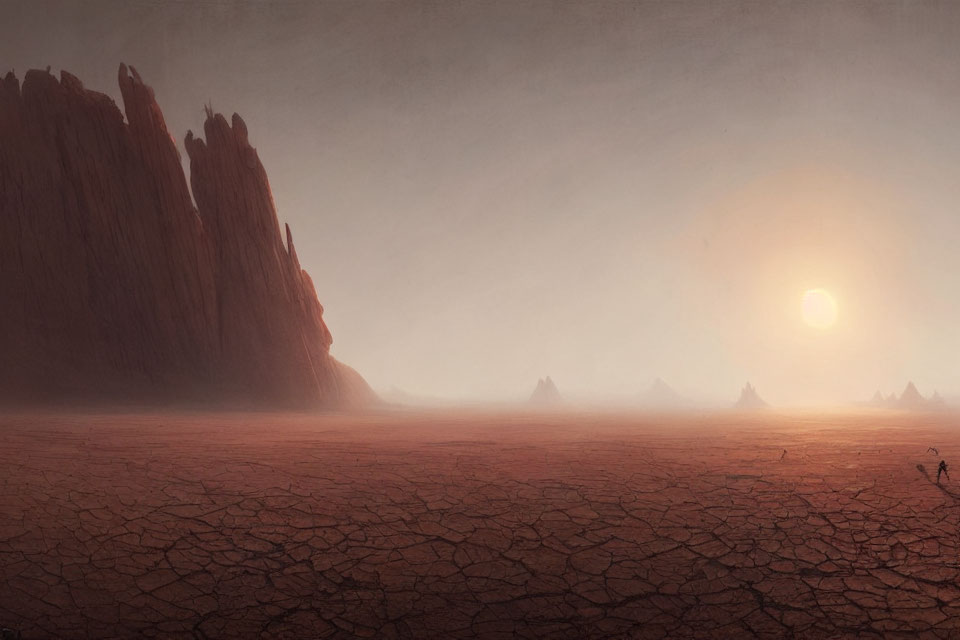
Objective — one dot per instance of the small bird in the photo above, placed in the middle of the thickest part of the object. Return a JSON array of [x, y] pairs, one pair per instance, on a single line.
[[936, 451]]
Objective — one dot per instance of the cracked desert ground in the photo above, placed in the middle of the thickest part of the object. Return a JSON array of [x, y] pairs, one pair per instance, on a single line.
[[478, 525]]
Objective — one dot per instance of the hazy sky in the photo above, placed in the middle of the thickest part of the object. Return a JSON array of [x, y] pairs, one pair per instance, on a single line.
[[606, 192]]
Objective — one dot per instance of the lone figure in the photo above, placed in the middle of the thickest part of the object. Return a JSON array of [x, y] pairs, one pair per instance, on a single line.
[[942, 469]]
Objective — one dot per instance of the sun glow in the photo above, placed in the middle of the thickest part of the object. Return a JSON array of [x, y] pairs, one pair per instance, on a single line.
[[819, 309]]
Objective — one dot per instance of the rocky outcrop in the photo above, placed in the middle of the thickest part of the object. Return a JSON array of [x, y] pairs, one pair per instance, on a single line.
[[117, 288], [749, 399], [911, 398], [546, 393], [661, 396]]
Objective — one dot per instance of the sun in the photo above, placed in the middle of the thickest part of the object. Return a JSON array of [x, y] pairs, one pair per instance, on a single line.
[[819, 309]]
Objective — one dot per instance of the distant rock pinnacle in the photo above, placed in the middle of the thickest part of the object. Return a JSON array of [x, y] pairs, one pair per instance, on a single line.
[[546, 393], [660, 395], [911, 398], [749, 399]]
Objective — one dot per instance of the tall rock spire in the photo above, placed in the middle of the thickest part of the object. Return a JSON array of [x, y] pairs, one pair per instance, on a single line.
[[116, 287]]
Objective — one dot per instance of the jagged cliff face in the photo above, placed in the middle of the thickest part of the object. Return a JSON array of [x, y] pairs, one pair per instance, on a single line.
[[115, 287]]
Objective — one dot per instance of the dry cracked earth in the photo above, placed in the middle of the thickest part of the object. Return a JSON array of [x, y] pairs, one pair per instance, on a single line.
[[470, 525]]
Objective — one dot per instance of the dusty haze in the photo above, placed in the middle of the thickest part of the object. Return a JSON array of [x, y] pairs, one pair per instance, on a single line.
[[487, 193]]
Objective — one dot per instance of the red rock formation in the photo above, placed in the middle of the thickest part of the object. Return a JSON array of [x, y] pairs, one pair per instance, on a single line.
[[661, 396], [911, 398], [750, 399], [546, 393], [115, 287]]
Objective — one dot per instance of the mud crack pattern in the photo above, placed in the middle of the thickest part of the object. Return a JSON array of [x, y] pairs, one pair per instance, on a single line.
[[477, 526]]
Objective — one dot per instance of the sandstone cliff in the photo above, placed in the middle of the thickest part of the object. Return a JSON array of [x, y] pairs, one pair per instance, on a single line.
[[115, 287]]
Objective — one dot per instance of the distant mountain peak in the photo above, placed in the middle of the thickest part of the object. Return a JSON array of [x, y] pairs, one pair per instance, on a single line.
[[750, 399], [660, 385], [546, 393], [911, 397], [660, 395]]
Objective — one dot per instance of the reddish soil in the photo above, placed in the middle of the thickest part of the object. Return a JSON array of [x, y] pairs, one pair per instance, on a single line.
[[443, 525]]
